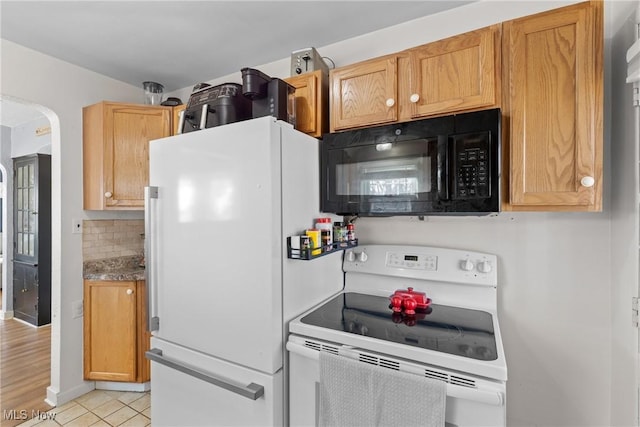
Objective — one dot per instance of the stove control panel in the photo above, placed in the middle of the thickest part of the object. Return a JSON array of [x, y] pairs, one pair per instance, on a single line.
[[413, 261], [421, 263]]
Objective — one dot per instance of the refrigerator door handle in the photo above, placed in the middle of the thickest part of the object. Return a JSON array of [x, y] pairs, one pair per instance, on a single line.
[[153, 322], [252, 391]]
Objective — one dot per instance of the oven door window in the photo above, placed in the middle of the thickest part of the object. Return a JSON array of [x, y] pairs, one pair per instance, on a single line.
[[392, 176]]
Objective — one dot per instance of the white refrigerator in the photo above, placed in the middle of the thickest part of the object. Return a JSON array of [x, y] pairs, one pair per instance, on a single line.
[[221, 290]]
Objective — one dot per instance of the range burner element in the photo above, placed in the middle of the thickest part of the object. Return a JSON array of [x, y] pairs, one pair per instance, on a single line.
[[453, 330]]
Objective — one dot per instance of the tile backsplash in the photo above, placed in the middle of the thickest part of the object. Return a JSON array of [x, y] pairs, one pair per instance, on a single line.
[[112, 238]]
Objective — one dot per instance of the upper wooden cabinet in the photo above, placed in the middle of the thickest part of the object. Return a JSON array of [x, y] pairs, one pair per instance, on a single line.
[[455, 74], [364, 94], [312, 97], [553, 109], [116, 152], [458, 73]]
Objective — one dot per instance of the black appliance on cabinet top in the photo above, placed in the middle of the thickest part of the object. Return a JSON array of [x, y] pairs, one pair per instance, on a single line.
[[259, 95], [211, 106], [270, 96], [436, 166]]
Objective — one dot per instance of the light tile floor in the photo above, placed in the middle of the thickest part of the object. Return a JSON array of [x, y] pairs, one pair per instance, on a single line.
[[99, 408]]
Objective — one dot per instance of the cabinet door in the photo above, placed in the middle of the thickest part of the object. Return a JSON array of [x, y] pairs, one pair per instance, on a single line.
[[554, 104], [128, 130], [25, 228], [25, 292], [110, 344], [364, 94], [458, 73], [311, 102]]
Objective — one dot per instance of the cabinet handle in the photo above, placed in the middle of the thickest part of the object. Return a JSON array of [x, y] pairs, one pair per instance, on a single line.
[[414, 98], [390, 102], [108, 194], [129, 291], [587, 181]]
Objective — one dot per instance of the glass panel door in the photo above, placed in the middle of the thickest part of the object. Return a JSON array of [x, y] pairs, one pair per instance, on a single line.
[[26, 211]]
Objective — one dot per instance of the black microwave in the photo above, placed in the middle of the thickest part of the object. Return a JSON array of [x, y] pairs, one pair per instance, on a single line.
[[436, 166]]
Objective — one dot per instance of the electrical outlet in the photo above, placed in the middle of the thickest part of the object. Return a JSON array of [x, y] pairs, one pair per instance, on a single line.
[[76, 226], [76, 309]]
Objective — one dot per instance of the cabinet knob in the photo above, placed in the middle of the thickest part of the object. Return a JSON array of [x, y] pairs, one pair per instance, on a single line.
[[391, 102], [108, 194], [587, 181], [129, 291], [414, 98]]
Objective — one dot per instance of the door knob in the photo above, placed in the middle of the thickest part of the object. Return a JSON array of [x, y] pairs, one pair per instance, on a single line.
[[390, 102], [129, 291], [414, 98], [108, 194]]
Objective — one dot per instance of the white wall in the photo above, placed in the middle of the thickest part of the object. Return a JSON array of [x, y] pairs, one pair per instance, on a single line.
[[7, 182], [624, 228], [25, 141], [63, 89]]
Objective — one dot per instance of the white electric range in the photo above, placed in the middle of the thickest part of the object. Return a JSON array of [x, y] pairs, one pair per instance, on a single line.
[[456, 339]]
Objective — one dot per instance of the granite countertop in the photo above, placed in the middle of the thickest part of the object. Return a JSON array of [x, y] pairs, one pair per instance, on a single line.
[[121, 268]]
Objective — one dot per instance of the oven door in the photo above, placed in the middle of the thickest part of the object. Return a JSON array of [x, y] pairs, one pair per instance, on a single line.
[[471, 401], [388, 178]]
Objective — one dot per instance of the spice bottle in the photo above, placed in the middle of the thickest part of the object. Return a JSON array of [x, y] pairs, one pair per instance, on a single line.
[[351, 232], [339, 232], [314, 236], [325, 227]]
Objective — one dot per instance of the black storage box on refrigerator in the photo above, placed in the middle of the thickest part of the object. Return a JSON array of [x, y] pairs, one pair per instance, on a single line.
[[438, 166]]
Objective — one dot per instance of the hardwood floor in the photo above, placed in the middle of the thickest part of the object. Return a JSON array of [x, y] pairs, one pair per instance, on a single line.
[[25, 368]]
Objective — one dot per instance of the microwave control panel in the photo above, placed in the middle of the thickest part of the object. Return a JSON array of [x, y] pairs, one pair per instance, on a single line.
[[471, 159]]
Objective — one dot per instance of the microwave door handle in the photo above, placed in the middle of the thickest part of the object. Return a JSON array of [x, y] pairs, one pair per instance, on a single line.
[[443, 168]]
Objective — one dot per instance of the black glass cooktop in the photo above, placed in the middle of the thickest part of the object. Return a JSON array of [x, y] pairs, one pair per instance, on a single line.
[[454, 330]]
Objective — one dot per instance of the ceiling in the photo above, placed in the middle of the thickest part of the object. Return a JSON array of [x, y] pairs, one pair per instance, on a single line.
[[14, 113], [180, 43]]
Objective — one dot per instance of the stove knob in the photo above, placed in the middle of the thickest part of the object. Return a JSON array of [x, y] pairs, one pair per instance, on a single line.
[[362, 256], [466, 265], [484, 267], [351, 256]]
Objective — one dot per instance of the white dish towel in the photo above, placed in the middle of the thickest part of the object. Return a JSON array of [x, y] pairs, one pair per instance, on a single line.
[[353, 393]]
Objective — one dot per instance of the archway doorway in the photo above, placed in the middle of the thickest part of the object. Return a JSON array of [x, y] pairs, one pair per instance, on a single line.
[[38, 341]]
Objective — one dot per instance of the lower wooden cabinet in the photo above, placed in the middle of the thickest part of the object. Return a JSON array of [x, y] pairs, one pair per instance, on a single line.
[[115, 333]]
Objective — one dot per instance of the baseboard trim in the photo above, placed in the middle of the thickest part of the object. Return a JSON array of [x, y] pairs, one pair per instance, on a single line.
[[56, 398], [120, 386]]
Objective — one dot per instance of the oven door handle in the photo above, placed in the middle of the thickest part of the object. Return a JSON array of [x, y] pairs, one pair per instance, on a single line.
[[455, 391]]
